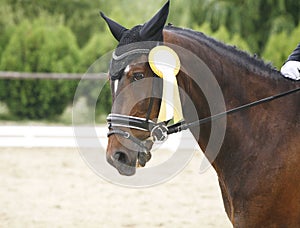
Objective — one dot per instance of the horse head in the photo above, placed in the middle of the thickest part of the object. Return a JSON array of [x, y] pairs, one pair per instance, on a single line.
[[135, 92]]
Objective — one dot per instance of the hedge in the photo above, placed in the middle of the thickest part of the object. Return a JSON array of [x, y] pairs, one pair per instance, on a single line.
[[40, 46]]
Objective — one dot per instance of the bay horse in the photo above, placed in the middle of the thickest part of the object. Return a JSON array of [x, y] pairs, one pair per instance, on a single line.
[[258, 163]]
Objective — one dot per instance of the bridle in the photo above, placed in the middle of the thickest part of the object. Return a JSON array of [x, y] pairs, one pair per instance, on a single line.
[[159, 131]]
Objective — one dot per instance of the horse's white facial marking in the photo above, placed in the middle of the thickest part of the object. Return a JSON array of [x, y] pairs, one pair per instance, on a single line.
[[116, 85], [127, 69], [116, 82]]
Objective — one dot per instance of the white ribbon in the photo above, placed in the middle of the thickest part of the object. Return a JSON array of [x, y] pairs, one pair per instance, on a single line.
[[166, 64]]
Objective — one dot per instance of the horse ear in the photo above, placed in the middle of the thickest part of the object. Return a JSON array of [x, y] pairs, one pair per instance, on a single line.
[[152, 30], [116, 29]]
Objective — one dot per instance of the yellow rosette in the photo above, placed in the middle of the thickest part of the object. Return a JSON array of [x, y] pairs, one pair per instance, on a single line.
[[165, 63]]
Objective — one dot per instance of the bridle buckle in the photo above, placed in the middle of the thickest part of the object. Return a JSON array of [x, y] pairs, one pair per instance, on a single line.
[[159, 133]]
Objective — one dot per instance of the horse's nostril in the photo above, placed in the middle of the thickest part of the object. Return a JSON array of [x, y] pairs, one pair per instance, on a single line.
[[121, 157], [123, 163]]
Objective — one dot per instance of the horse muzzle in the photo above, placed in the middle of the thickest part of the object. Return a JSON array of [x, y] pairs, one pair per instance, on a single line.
[[132, 154], [127, 162], [122, 162]]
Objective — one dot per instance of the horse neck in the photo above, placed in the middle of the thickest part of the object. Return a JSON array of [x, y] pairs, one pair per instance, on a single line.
[[240, 76], [242, 80]]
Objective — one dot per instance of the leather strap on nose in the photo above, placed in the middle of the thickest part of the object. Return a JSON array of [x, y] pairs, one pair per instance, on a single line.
[[117, 120], [126, 135], [143, 156]]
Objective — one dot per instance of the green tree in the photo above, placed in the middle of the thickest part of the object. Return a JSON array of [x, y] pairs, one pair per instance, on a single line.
[[41, 46], [98, 45], [278, 51], [8, 21], [180, 13], [79, 16], [95, 58], [252, 20]]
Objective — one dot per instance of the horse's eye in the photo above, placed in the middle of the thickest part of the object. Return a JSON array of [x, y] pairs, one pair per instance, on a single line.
[[138, 76]]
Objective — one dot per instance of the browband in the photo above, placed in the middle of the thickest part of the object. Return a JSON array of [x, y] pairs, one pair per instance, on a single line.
[[128, 53], [123, 56]]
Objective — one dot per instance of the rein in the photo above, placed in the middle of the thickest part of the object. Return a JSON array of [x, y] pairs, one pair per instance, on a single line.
[[159, 131], [184, 126]]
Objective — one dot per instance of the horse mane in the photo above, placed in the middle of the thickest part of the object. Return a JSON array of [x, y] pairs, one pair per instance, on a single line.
[[240, 57]]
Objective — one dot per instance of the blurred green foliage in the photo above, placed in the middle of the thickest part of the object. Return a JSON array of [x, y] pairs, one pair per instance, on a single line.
[[68, 36], [255, 21], [279, 54], [38, 47]]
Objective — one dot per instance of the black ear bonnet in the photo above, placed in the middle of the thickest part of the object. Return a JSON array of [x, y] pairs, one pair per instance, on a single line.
[[133, 43]]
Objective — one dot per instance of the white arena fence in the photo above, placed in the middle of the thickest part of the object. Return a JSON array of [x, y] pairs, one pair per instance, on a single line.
[[54, 76], [64, 137], [45, 136]]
